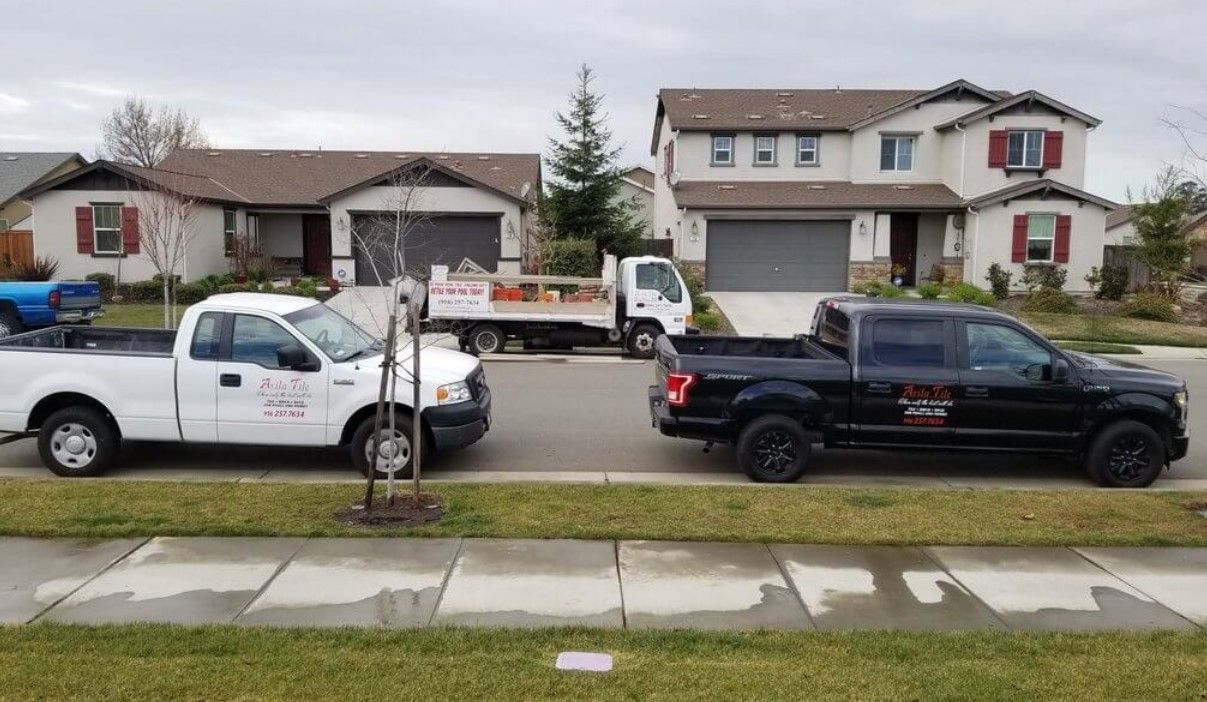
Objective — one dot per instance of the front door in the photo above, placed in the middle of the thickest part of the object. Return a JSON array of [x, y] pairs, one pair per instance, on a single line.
[[259, 402], [907, 381], [1008, 398], [903, 246], [316, 244]]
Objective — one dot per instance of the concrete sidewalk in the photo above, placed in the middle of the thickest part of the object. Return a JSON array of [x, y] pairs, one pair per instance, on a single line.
[[379, 582]]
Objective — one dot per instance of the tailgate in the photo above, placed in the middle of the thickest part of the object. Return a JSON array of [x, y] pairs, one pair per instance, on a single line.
[[79, 296]]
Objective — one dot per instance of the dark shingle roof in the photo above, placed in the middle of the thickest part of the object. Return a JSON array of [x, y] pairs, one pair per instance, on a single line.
[[813, 195], [1123, 215], [19, 170], [788, 108]]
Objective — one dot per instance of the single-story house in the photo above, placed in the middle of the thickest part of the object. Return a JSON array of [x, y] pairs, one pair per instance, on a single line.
[[20, 170], [637, 185], [310, 212]]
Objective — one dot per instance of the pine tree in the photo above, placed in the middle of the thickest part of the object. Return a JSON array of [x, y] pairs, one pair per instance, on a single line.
[[582, 201]]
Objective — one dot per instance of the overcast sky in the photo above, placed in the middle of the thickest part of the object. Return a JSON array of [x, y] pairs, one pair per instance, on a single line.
[[489, 75]]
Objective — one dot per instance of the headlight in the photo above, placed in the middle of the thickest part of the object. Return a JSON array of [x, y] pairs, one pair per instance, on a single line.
[[1181, 400], [453, 392]]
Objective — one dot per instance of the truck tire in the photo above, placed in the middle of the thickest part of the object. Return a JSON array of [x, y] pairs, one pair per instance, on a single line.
[[77, 442], [362, 446], [10, 324], [774, 449], [1125, 454], [486, 338], [641, 340]]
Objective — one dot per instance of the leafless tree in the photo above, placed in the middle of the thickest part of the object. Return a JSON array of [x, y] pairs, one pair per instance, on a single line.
[[1190, 125], [137, 134], [166, 228]]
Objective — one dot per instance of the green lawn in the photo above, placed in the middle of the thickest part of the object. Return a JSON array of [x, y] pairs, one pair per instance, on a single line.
[[136, 315], [148, 662], [1115, 330], [1097, 347], [90, 508]]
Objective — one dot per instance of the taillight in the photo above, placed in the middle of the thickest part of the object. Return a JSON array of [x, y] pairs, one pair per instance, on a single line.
[[677, 385], [54, 299]]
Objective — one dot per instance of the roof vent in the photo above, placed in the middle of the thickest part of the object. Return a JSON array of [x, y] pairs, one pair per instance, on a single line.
[[305, 155], [699, 116], [817, 116], [483, 157], [903, 187], [10, 158], [442, 157], [266, 153], [784, 93], [815, 186], [754, 117], [402, 156], [727, 186], [362, 156], [214, 153], [496, 168]]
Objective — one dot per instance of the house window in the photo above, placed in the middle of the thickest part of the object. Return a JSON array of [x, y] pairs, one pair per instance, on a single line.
[[764, 150], [722, 149], [896, 153], [107, 229], [3, 225], [1041, 237], [806, 150], [228, 232], [1025, 149]]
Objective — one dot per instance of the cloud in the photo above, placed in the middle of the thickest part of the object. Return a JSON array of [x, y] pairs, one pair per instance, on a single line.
[[98, 89], [12, 103]]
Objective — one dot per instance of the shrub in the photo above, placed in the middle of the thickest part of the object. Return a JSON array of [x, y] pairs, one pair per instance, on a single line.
[[573, 257], [144, 291], [879, 288], [308, 287], [938, 273], [1049, 300], [290, 290], [999, 281], [967, 292], [1044, 275], [930, 290], [40, 269], [236, 287], [107, 282], [695, 287], [191, 293], [1115, 280], [706, 321], [1150, 305], [265, 287]]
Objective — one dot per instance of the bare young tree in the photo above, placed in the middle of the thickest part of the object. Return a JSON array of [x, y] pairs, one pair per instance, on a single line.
[[165, 230], [1190, 125], [137, 134]]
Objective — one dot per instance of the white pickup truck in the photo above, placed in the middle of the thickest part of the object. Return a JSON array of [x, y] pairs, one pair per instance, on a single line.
[[243, 368]]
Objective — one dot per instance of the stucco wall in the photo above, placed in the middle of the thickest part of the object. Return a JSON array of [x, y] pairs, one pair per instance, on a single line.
[[1121, 235], [645, 205], [694, 156], [666, 213], [281, 234], [980, 178], [931, 230], [466, 200], [993, 230], [928, 145], [54, 227]]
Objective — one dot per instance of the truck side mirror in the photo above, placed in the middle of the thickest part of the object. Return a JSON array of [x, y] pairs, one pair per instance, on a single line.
[[294, 357], [1060, 371]]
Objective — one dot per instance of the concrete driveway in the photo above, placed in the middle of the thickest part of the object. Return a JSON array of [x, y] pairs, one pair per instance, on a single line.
[[769, 313]]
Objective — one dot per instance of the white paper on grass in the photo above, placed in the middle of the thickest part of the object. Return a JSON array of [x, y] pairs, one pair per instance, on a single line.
[[581, 660]]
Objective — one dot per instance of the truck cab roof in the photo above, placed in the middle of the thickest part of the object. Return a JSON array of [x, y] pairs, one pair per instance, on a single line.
[[261, 302], [859, 306]]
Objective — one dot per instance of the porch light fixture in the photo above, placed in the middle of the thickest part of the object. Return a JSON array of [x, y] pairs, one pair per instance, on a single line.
[[863, 228], [695, 231]]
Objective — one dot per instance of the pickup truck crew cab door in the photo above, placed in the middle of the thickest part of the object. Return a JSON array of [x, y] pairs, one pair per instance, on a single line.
[[259, 402], [197, 380], [1009, 398], [906, 378]]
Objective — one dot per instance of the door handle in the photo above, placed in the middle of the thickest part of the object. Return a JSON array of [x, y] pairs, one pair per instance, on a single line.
[[230, 380], [880, 388], [976, 391], [641, 304]]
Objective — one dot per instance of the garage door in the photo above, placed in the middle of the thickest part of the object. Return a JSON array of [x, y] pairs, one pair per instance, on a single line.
[[442, 240], [778, 256]]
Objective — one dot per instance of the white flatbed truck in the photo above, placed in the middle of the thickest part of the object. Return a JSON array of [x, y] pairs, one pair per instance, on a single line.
[[632, 303]]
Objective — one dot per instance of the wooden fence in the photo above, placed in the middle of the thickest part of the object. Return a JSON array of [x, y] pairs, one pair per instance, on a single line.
[[658, 247], [1122, 256], [16, 248]]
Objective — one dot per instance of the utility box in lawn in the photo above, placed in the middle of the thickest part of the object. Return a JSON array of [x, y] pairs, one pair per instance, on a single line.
[[629, 305]]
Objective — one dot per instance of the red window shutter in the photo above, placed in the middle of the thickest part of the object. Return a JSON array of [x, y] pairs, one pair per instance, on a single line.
[[1053, 149], [130, 235], [83, 230], [1018, 251], [1060, 249], [669, 165], [998, 140]]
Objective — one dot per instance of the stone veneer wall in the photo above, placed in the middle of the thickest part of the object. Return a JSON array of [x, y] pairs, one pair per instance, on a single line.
[[868, 271], [953, 269]]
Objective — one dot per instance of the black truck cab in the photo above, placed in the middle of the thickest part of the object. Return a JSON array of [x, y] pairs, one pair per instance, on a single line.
[[914, 374]]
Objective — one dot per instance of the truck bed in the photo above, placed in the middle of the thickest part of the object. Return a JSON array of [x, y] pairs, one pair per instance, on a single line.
[[750, 346], [77, 339]]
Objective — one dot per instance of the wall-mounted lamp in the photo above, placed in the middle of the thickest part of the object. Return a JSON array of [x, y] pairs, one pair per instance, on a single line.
[[695, 231], [863, 228]]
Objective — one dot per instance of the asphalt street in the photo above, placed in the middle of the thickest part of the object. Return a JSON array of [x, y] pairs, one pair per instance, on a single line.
[[592, 417]]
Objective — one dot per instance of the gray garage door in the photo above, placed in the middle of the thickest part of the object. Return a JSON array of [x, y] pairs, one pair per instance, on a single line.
[[440, 240], [778, 256]]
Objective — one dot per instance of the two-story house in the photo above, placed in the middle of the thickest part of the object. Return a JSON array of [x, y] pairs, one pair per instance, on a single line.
[[819, 190]]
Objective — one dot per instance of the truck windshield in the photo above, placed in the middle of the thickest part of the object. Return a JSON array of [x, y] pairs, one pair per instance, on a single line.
[[332, 332]]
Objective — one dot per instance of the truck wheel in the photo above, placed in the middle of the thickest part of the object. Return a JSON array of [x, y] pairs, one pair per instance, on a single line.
[[394, 452], [9, 324], [486, 338], [773, 449], [641, 340], [77, 442], [1126, 454]]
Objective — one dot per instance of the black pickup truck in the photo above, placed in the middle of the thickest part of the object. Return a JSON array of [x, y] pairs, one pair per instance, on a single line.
[[913, 374]]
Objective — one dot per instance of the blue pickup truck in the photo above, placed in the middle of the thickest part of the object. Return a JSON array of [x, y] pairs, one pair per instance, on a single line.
[[25, 306]]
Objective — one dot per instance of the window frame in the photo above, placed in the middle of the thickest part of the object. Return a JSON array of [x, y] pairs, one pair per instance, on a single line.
[[816, 137], [712, 148], [965, 361], [228, 346], [774, 149], [96, 248], [912, 139], [669, 271], [1032, 216], [868, 354], [1025, 133], [229, 234], [216, 343]]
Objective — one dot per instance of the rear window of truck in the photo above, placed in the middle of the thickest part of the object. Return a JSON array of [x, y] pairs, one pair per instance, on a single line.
[[834, 330]]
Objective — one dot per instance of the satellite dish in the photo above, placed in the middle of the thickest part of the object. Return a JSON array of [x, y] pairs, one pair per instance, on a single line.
[[675, 177]]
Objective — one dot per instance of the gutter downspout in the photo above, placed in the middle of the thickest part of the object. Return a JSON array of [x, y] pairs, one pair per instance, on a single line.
[[963, 155], [976, 240]]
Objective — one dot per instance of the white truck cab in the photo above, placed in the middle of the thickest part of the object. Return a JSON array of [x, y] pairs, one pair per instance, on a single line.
[[243, 368], [630, 304]]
